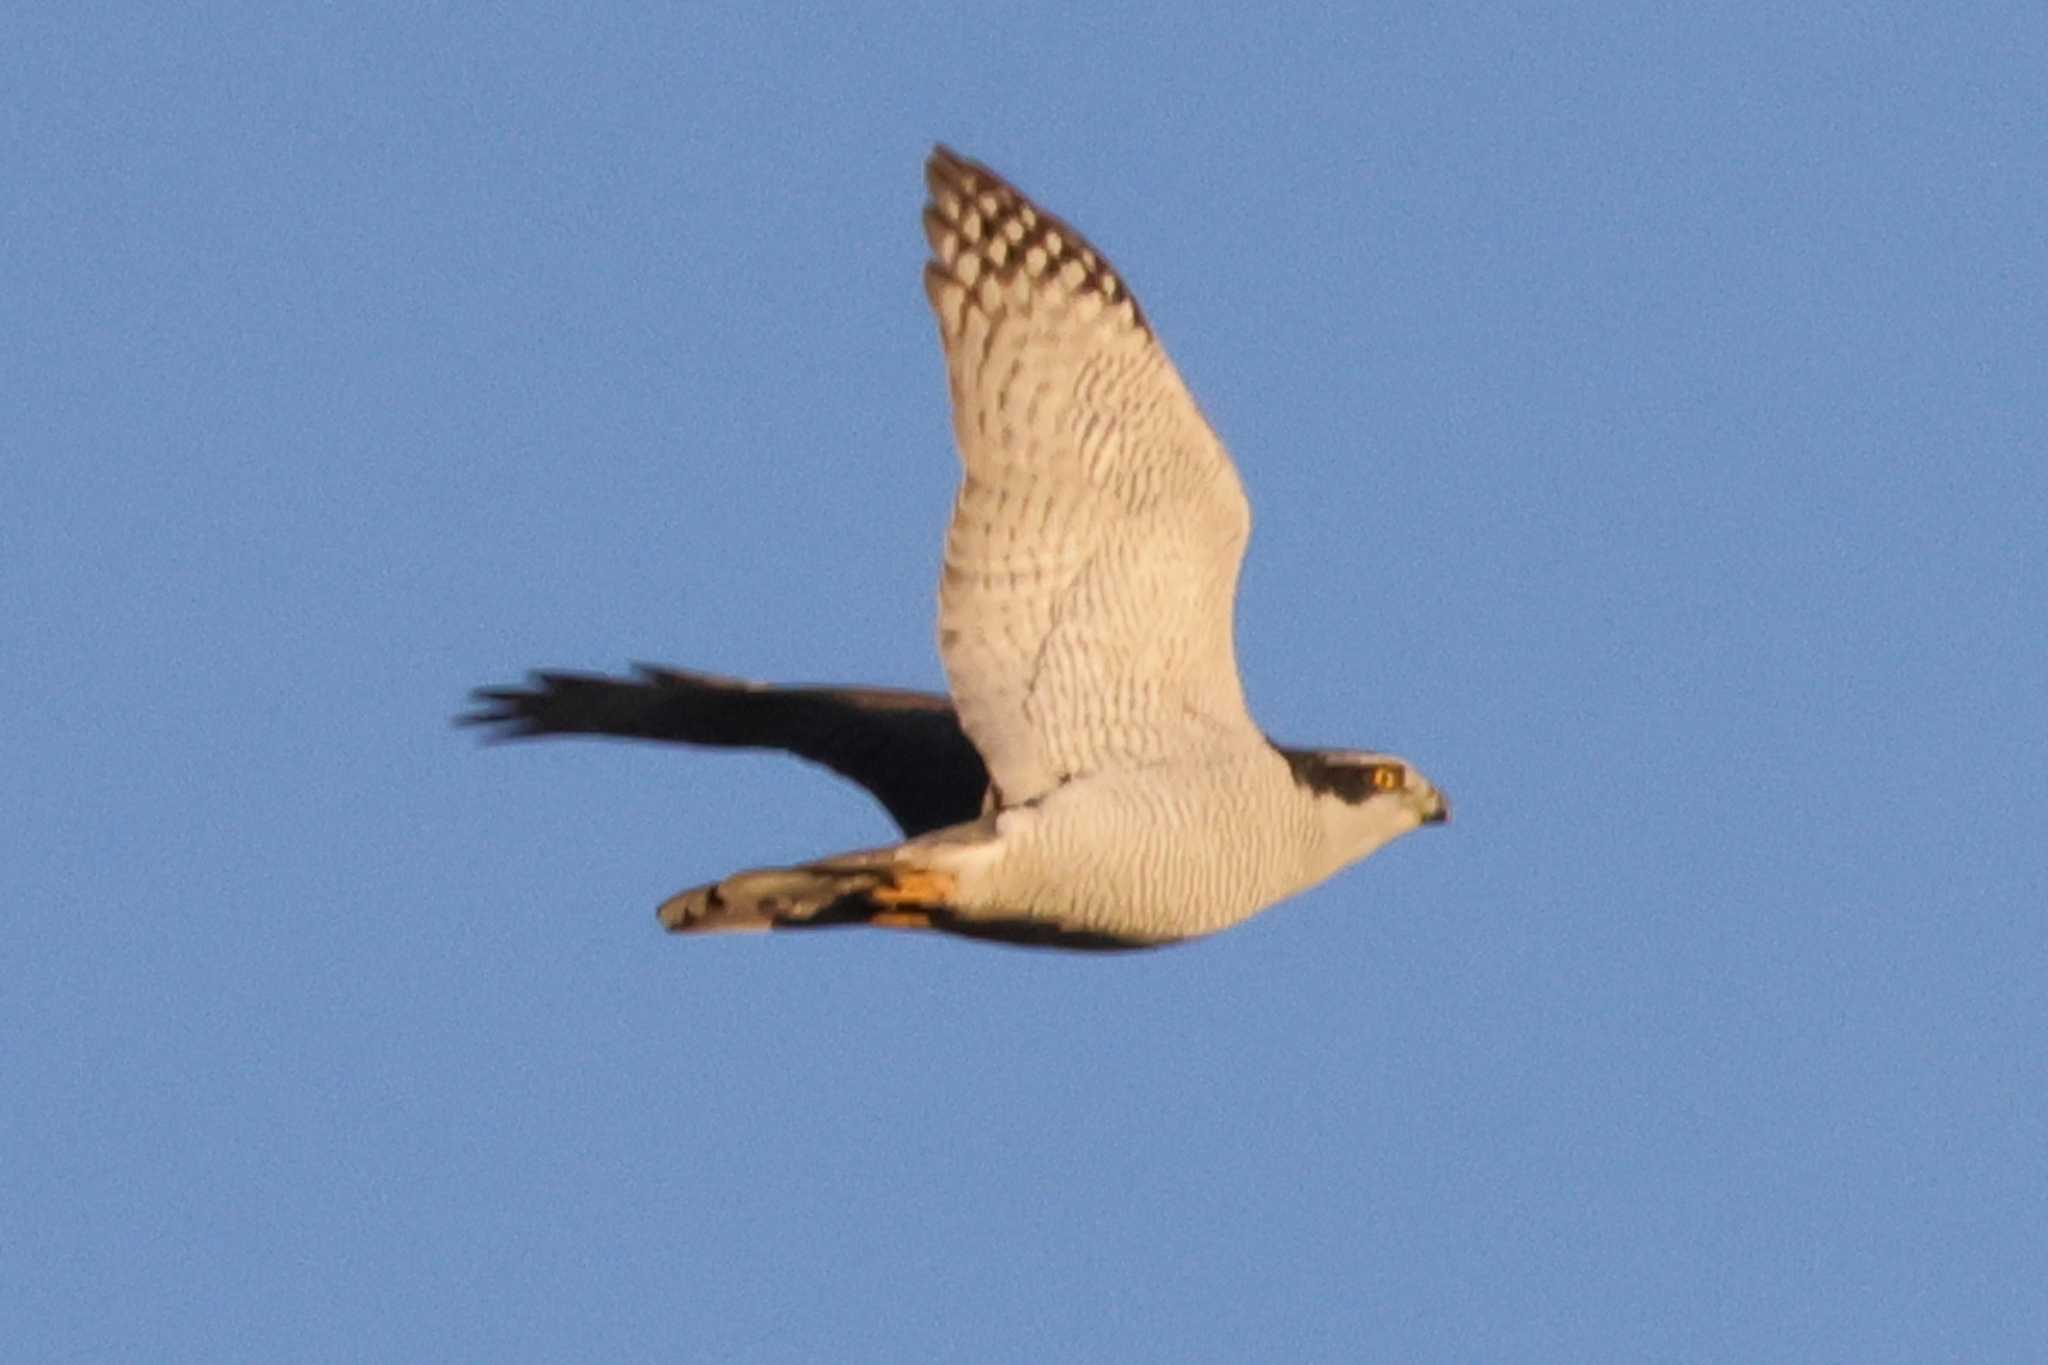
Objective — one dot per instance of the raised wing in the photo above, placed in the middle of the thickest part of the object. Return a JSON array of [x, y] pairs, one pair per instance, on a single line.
[[1085, 610], [906, 748]]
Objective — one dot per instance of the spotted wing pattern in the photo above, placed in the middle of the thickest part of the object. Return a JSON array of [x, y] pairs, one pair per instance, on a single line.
[[1086, 605]]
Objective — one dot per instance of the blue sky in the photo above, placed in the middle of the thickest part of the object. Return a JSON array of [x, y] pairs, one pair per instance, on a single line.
[[1644, 418]]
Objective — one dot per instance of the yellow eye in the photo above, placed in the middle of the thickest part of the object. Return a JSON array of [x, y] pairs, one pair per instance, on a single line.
[[1388, 777]]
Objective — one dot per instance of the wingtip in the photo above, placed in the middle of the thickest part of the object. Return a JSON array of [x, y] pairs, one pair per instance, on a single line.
[[946, 169], [504, 710]]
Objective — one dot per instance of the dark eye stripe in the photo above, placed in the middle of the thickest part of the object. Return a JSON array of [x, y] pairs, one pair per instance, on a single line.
[[1343, 777]]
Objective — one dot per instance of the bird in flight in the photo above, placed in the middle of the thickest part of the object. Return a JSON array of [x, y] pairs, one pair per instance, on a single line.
[[1094, 780]]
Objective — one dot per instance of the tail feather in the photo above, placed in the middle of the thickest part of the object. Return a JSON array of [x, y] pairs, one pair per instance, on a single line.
[[909, 886], [856, 890]]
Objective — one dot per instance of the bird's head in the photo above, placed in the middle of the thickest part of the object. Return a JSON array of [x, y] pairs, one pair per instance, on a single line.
[[1363, 801]]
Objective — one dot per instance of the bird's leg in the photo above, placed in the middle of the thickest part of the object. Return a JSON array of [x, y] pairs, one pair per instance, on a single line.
[[857, 889]]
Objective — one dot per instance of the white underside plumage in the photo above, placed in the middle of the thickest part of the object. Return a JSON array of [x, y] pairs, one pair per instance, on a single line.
[[1086, 627]]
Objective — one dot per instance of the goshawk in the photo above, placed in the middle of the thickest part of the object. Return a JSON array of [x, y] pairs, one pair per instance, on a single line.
[[1095, 780]]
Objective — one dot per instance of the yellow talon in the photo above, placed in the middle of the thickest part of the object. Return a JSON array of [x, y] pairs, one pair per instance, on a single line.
[[901, 919], [915, 887]]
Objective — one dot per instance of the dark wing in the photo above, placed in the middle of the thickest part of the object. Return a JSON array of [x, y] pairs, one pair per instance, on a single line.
[[906, 748]]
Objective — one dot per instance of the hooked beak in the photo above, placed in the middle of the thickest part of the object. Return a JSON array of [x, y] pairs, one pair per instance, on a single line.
[[1437, 810]]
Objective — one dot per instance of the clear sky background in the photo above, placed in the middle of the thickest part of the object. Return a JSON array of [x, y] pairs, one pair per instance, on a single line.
[[1644, 415]]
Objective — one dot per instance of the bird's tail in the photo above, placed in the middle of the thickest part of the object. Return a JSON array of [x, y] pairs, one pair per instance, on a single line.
[[878, 888]]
